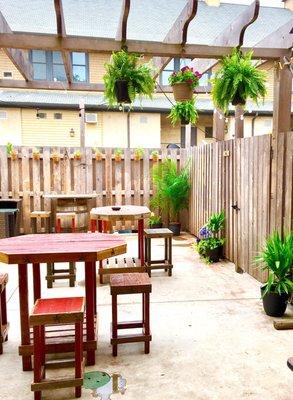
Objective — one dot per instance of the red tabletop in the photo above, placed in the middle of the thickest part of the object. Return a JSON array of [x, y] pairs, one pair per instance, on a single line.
[[60, 247]]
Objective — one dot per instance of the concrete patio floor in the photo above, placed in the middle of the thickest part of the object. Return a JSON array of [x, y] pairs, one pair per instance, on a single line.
[[211, 338]]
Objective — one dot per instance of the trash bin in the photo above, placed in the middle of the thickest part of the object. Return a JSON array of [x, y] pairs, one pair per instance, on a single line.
[[9, 217]]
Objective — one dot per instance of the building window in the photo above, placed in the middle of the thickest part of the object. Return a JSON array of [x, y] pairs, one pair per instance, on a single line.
[[41, 115], [79, 67], [57, 115], [3, 115], [7, 74], [208, 132], [205, 79], [174, 65], [48, 65]]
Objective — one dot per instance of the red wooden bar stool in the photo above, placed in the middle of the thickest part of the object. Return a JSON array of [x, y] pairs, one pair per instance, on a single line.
[[3, 311], [62, 273], [129, 284], [58, 311]]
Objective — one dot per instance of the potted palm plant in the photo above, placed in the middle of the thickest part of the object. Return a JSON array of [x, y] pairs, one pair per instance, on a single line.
[[277, 259], [172, 191], [184, 112], [237, 80], [210, 243], [36, 153], [77, 155], [98, 155], [125, 78], [183, 83]]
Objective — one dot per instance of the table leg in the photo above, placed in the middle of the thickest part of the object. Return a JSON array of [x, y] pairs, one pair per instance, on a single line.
[[90, 287], [140, 241], [24, 314], [36, 281]]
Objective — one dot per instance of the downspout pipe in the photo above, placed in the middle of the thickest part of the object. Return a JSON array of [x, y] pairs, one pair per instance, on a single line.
[[253, 124]]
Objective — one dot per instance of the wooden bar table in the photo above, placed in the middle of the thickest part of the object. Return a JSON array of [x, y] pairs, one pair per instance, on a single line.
[[80, 203], [58, 247], [123, 213]]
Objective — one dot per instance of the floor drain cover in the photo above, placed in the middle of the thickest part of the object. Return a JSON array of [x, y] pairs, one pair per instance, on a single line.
[[103, 385]]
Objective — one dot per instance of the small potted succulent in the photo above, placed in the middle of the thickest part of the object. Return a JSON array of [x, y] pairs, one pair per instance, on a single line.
[[237, 80], [277, 259], [209, 245], [125, 78], [98, 155], [155, 155], [184, 112], [11, 151], [77, 155], [138, 154], [36, 153], [155, 221], [118, 155], [183, 83], [55, 157]]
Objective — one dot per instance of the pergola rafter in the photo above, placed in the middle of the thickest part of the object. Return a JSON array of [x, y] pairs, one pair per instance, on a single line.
[[121, 34], [61, 32], [233, 35], [177, 33], [18, 57]]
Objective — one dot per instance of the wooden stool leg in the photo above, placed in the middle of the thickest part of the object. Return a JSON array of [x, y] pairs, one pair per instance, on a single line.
[[149, 257], [34, 225], [37, 360], [166, 252], [43, 349], [93, 225], [1, 322], [78, 355], [114, 323], [58, 225], [73, 225], [147, 321], [72, 271], [170, 256], [50, 267]]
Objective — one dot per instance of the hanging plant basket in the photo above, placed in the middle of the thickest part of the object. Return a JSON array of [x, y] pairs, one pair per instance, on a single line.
[[184, 121], [121, 91], [182, 91], [238, 100]]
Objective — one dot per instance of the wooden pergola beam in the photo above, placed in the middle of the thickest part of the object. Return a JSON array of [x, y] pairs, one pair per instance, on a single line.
[[61, 33], [177, 33], [103, 45], [75, 86], [121, 34], [233, 35], [18, 57]]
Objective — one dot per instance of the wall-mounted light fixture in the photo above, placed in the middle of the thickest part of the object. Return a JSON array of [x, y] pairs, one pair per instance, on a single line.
[[37, 113], [71, 132]]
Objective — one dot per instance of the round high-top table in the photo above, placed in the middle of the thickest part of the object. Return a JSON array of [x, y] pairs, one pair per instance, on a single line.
[[124, 213], [58, 247]]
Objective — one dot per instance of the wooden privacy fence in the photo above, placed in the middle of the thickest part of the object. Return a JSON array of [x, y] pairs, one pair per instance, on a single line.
[[126, 182], [251, 180]]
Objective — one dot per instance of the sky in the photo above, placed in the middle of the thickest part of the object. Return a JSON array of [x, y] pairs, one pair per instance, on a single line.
[[271, 3]]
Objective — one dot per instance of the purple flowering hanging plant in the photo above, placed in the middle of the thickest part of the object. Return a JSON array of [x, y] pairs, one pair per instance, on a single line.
[[185, 75]]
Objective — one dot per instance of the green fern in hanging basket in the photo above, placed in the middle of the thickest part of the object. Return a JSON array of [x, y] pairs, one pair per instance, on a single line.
[[136, 79], [184, 112], [237, 80]]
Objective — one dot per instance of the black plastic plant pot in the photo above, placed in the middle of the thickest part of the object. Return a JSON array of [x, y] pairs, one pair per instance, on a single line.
[[215, 254], [237, 99], [274, 304], [156, 226], [121, 91], [184, 121], [175, 227]]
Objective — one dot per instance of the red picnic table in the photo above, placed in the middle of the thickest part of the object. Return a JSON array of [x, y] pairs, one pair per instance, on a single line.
[[58, 247]]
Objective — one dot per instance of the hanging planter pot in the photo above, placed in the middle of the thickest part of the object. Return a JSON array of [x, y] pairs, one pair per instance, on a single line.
[[238, 100], [184, 121], [121, 91], [182, 91]]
